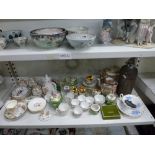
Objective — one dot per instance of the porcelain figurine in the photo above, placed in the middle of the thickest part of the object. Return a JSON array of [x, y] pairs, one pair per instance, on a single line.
[[37, 91], [142, 31], [132, 32], [105, 35], [3, 43], [150, 33], [121, 32], [49, 86]]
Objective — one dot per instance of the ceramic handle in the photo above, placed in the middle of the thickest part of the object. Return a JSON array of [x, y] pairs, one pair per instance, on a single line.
[[121, 96]]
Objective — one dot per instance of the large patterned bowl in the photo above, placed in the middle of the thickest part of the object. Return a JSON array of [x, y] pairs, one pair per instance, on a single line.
[[48, 37]]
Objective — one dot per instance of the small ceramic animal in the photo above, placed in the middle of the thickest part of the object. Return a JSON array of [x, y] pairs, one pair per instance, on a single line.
[[49, 86]]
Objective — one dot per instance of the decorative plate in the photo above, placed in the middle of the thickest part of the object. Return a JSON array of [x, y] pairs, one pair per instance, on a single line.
[[37, 104], [135, 112], [17, 113]]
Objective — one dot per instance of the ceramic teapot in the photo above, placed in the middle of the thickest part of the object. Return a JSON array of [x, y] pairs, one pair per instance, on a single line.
[[49, 86]]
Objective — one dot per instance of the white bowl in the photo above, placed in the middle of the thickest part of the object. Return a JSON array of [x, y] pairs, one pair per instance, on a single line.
[[84, 105], [90, 100], [63, 108], [77, 111], [99, 99], [95, 108], [75, 102], [80, 40], [81, 98]]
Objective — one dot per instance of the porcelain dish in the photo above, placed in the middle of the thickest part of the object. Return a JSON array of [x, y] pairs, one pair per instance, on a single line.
[[80, 40], [48, 37], [136, 112], [36, 105], [77, 111]]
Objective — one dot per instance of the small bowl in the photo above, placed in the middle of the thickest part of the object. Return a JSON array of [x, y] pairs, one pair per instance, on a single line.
[[90, 100], [77, 111], [48, 37], [63, 108], [80, 40], [81, 98], [20, 41], [75, 102], [94, 108], [11, 105], [77, 29], [3, 43], [99, 99], [84, 105]]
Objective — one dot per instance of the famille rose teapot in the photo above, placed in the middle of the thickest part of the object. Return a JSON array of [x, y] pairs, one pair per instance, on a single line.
[[49, 87]]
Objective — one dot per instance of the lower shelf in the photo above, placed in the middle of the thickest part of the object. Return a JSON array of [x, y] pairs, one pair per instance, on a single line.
[[30, 120]]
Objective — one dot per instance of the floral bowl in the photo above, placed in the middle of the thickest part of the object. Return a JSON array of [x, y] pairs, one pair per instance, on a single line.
[[80, 40], [48, 37]]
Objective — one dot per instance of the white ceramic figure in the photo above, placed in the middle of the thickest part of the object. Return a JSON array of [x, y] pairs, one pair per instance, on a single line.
[[150, 33], [49, 86], [142, 31], [131, 35], [121, 33]]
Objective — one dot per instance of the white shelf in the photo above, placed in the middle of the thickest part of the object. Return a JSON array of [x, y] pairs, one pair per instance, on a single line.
[[146, 82], [86, 120], [99, 51]]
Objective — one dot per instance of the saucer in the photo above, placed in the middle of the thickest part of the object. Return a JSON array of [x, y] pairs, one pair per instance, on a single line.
[[36, 104], [135, 112]]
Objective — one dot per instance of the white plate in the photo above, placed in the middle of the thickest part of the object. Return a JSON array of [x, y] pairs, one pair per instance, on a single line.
[[37, 104], [136, 112]]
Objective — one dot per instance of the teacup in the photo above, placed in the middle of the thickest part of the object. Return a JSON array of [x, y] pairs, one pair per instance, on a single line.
[[77, 111], [94, 108], [75, 102], [2, 43], [110, 98], [84, 105], [63, 108], [99, 99], [11, 105], [90, 100], [81, 98]]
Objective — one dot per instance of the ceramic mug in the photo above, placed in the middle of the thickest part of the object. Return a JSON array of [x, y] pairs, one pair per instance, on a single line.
[[94, 108], [77, 111], [62, 109], [75, 102], [99, 99]]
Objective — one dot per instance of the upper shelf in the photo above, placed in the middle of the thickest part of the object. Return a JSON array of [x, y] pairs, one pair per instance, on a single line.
[[95, 52]]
